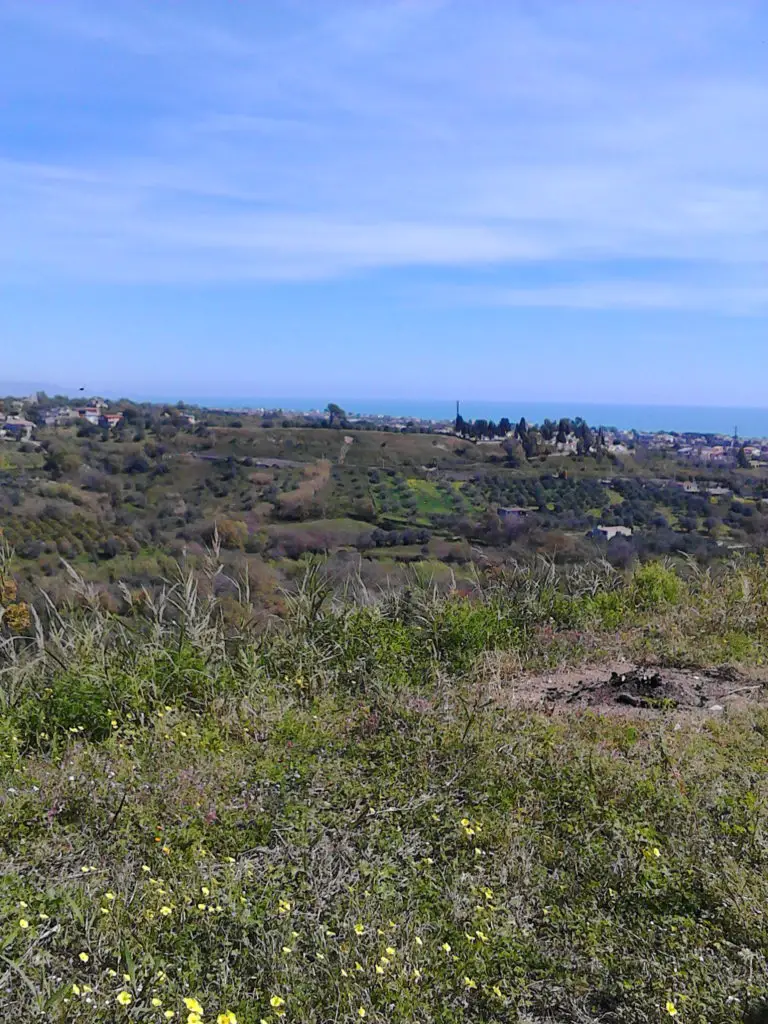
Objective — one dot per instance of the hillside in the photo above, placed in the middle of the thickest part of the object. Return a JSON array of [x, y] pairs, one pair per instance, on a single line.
[[125, 503], [398, 806]]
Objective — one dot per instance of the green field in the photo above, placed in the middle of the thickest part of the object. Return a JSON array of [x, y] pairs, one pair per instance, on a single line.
[[343, 816]]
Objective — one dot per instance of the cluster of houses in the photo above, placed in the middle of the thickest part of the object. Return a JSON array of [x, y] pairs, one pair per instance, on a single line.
[[717, 450], [722, 453], [95, 413], [16, 427]]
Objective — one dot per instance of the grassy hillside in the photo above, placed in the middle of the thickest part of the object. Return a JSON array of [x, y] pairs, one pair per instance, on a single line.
[[343, 818]]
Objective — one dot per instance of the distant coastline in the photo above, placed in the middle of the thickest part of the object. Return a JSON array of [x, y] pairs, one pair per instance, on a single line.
[[751, 422], [680, 419]]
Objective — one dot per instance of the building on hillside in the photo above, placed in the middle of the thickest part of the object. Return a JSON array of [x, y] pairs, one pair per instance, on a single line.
[[514, 513], [58, 417], [110, 419], [18, 429], [90, 413], [609, 532]]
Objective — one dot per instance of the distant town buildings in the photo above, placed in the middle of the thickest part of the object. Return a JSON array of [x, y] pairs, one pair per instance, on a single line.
[[16, 428]]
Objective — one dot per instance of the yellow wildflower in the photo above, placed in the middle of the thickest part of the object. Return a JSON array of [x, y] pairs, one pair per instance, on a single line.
[[361, 1011], [465, 822], [276, 1002], [497, 992], [656, 851], [418, 941], [287, 950], [194, 1018], [165, 911], [283, 907], [391, 950], [359, 928], [84, 957], [124, 998], [358, 966], [192, 1005], [23, 923], [157, 1002], [379, 969], [671, 1008], [226, 1018], [75, 990], [109, 896], [446, 947], [470, 982], [169, 1014]]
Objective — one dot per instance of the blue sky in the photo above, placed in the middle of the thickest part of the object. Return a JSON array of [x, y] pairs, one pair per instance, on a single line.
[[518, 199]]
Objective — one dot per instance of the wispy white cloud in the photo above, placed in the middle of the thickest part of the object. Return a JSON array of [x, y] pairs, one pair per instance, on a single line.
[[734, 300], [325, 140]]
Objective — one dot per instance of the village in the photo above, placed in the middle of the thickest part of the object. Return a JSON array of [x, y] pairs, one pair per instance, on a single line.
[[22, 418]]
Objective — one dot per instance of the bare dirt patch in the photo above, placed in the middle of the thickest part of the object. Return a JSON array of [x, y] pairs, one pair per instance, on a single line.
[[624, 688]]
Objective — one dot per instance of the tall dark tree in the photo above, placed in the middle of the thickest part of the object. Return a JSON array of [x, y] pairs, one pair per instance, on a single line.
[[548, 429], [504, 427], [335, 413]]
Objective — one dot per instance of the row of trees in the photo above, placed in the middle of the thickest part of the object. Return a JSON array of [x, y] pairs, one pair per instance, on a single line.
[[532, 437]]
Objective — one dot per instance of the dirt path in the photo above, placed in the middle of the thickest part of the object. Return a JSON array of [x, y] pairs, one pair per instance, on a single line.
[[622, 688]]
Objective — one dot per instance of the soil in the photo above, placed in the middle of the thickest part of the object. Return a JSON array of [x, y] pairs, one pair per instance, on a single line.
[[622, 688]]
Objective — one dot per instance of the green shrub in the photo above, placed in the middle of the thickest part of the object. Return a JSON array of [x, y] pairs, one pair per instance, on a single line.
[[654, 585]]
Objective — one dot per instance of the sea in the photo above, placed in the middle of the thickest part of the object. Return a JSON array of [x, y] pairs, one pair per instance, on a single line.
[[681, 419]]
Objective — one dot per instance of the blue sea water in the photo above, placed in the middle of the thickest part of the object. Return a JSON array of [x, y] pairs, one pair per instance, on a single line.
[[750, 422]]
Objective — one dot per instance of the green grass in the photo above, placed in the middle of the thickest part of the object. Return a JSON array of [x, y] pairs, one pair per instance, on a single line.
[[333, 815]]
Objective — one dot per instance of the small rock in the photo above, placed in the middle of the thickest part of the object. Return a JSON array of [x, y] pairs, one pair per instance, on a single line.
[[628, 698], [715, 707]]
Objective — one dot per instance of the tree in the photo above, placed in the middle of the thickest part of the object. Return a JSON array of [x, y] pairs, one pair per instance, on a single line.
[[59, 461], [514, 452], [504, 427], [335, 412], [742, 459], [233, 533]]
